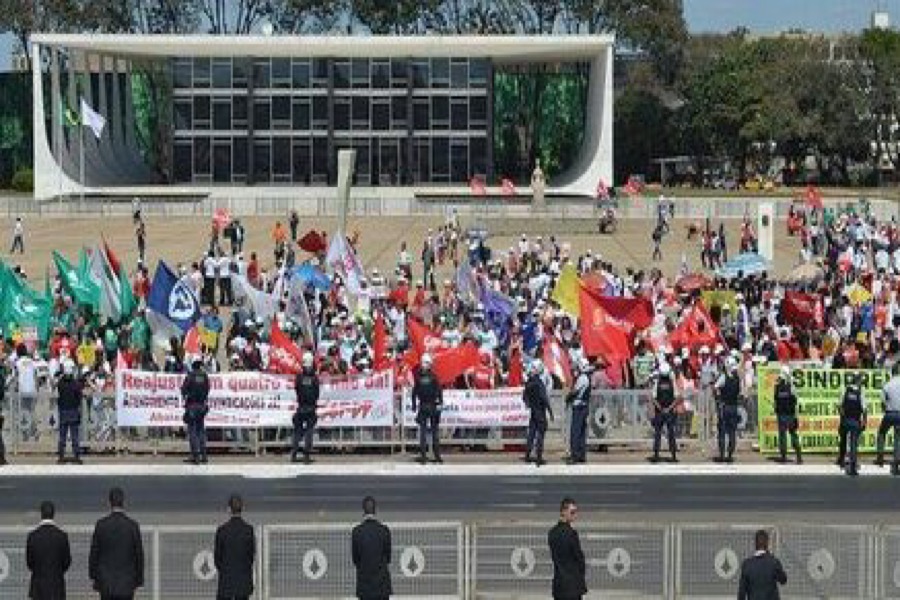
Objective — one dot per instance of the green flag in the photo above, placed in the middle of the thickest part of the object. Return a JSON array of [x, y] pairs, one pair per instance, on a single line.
[[82, 289], [21, 307], [129, 303]]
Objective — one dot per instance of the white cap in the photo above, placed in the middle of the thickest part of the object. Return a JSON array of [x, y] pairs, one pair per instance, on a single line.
[[426, 360], [307, 359], [704, 350]]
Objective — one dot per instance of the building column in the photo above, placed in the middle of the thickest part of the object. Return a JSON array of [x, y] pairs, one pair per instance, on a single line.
[[489, 122], [251, 125]]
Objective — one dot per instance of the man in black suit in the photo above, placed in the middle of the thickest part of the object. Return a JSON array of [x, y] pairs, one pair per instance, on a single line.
[[116, 562], [48, 557], [372, 555], [762, 573], [568, 559], [235, 551]]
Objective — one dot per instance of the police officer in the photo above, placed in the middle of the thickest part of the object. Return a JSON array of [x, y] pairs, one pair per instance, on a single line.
[[195, 391], [728, 393], [853, 420], [70, 391], [664, 405], [428, 400], [535, 397], [786, 411], [890, 420], [307, 388], [3, 374], [579, 398]]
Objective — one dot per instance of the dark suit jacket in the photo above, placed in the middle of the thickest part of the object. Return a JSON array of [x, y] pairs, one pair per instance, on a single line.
[[760, 576], [48, 558], [235, 551], [568, 562], [371, 556], [116, 563]]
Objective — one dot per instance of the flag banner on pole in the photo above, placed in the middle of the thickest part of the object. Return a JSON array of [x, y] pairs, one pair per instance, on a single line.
[[343, 260], [92, 119]]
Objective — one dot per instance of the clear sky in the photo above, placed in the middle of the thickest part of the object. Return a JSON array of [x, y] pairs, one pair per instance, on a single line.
[[762, 16]]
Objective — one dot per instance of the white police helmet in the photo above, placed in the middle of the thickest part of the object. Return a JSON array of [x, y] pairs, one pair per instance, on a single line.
[[427, 360], [68, 367], [785, 372], [665, 370], [308, 359]]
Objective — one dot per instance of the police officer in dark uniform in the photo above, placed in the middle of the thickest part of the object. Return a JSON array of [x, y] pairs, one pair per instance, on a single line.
[[2, 402], [580, 398], [428, 399], [853, 420], [195, 391], [728, 391], [786, 411], [307, 388], [535, 397], [70, 391], [664, 405]]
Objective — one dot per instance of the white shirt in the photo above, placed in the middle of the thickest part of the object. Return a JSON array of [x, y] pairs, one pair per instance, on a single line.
[[209, 267], [224, 264], [18, 229], [26, 371]]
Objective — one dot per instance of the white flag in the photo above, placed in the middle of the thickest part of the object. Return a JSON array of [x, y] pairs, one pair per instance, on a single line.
[[342, 260], [92, 119], [262, 304], [108, 281]]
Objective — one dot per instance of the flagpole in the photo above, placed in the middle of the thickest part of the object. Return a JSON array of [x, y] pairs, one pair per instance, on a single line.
[[81, 144]]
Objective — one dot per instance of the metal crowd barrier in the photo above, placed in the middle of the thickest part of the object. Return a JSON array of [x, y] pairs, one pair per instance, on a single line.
[[452, 560]]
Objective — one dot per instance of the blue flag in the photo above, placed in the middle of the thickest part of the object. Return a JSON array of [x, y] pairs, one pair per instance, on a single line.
[[529, 335], [172, 299], [312, 276], [498, 311]]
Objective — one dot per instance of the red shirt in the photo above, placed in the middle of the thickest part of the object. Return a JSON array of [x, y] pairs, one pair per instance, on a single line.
[[483, 378]]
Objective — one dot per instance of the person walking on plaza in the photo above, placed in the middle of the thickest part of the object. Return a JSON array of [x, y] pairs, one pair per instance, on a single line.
[[140, 234], [18, 242], [568, 559], [234, 553], [664, 407], [579, 398], [427, 402], [294, 223], [853, 420], [786, 411], [71, 393], [762, 573], [371, 550], [534, 395], [116, 560], [728, 395], [890, 421], [195, 392], [48, 557], [307, 389]]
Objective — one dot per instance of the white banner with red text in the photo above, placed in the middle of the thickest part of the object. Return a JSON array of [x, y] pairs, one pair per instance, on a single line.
[[476, 408], [252, 399]]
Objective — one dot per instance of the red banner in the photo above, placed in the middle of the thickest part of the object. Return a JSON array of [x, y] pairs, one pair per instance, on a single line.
[[600, 334]]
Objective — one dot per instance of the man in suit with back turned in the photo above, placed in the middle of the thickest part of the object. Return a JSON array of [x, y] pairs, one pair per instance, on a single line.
[[372, 555], [48, 557], [235, 551], [116, 563], [762, 573]]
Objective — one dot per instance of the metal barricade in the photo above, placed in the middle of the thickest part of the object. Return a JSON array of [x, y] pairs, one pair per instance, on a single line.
[[315, 561], [834, 562], [628, 561], [887, 564], [708, 559]]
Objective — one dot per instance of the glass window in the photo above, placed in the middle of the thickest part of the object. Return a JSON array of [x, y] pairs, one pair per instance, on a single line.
[[281, 156], [320, 159], [360, 112], [320, 111], [459, 73], [261, 115], [301, 74], [478, 72], [459, 161], [341, 74], [440, 158], [182, 77], [381, 74], [399, 111], [222, 73], [184, 114], [399, 75], [182, 160], [320, 72], [201, 156], [222, 115], [360, 72], [262, 155], [302, 158], [281, 72], [222, 162], [239, 156], [301, 115], [262, 72], [281, 109], [440, 72], [422, 158], [362, 158], [440, 112], [201, 112], [239, 111], [381, 115], [421, 114], [201, 72], [477, 111], [459, 114], [420, 69], [478, 156], [342, 114], [239, 72]]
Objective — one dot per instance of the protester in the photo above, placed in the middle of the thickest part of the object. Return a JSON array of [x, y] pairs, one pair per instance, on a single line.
[[48, 557], [18, 237]]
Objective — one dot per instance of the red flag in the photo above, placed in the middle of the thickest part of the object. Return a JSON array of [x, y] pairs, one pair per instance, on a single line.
[[221, 218], [801, 310], [600, 334], [696, 329], [507, 187], [476, 184], [813, 197], [284, 355], [450, 363], [313, 242], [556, 359], [602, 190], [191, 343], [114, 261], [423, 339], [515, 368], [400, 295], [631, 313], [379, 345], [121, 361]]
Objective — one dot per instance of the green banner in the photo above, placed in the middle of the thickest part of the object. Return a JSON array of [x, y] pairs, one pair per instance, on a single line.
[[819, 393]]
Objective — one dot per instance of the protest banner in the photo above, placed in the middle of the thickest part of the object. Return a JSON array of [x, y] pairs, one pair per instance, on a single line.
[[476, 408], [252, 399], [819, 393]]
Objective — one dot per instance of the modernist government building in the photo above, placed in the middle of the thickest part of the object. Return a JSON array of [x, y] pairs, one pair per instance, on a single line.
[[243, 112]]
